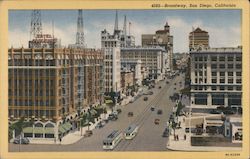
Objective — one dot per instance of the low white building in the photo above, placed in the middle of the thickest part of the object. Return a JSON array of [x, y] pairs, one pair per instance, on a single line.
[[134, 65]]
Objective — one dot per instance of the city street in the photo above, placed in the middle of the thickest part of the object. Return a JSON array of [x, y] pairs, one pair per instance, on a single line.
[[149, 137]]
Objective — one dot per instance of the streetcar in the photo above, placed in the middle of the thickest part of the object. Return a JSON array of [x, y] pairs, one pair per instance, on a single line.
[[112, 140], [131, 131]]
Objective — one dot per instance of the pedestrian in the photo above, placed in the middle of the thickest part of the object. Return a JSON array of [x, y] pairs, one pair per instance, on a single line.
[[60, 139], [185, 137], [55, 140], [174, 137], [177, 137]]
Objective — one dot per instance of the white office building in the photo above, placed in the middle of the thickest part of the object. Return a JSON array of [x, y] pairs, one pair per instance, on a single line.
[[216, 77]]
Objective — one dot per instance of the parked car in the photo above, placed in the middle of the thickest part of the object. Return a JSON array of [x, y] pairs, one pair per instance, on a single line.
[[88, 133], [152, 108], [157, 121], [130, 114], [19, 140], [112, 117], [145, 98], [228, 112], [159, 112], [167, 82], [99, 125], [119, 111], [165, 133], [215, 111], [159, 87]]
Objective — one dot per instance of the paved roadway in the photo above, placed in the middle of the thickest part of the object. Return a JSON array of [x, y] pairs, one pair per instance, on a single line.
[[149, 135]]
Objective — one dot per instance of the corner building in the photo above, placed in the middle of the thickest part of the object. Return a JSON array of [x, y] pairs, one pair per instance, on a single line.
[[47, 84], [216, 77]]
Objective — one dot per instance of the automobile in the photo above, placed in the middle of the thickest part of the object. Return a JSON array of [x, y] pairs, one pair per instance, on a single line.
[[106, 120], [152, 108], [157, 121], [112, 117], [130, 114], [145, 98], [165, 133], [215, 111], [174, 88], [119, 111], [228, 112], [150, 93], [174, 83], [159, 87], [88, 133], [99, 125], [159, 112], [153, 86], [19, 140], [167, 82], [115, 112]]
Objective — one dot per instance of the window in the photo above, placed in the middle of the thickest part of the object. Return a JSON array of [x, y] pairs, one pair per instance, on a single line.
[[238, 73], [200, 73], [214, 80], [222, 66], [238, 66], [200, 99], [200, 59], [196, 65], [230, 58], [214, 73], [200, 65], [230, 73], [230, 80], [205, 58], [214, 66], [222, 73], [230, 66], [217, 99], [238, 58], [230, 88], [238, 80], [196, 80], [214, 88], [222, 80], [214, 58], [222, 88], [222, 58], [234, 99], [238, 88], [196, 73]]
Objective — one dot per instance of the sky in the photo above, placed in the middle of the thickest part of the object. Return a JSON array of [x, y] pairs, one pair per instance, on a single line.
[[223, 26]]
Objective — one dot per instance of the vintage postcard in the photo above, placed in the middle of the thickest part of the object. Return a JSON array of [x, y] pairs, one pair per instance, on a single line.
[[124, 79]]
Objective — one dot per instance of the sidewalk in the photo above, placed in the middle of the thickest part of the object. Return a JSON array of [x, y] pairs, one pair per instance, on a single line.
[[71, 137], [185, 145]]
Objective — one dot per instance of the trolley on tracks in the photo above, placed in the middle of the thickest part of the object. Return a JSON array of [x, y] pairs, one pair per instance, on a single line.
[[112, 140], [131, 132]]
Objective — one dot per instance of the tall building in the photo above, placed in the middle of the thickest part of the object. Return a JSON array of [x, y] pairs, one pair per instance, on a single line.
[[216, 77], [46, 84], [161, 38], [198, 39], [150, 57], [112, 65]]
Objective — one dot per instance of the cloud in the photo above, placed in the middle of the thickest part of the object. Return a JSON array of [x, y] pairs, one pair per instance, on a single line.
[[228, 36]]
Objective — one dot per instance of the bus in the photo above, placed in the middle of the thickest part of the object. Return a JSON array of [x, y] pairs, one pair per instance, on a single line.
[[131, 131], [112, 140]]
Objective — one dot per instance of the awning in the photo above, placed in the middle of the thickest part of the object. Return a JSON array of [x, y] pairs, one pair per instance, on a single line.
[[49, 131], [93, 112], [28, 130], [108, 101], [65, 127], [38, 130]]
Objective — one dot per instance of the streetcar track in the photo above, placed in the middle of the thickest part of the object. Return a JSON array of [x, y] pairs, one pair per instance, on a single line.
[[140, 120]]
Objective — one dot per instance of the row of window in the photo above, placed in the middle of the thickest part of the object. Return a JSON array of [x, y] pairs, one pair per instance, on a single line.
[[220, 58], [221, 66], [31, 103], [221, 80], [222, 88], [217, 99]]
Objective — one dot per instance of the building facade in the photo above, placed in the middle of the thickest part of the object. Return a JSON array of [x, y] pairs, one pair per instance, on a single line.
[[198, 39], [47, 84], [150, 57], [216, 77], [134, 65], [161, 38]]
